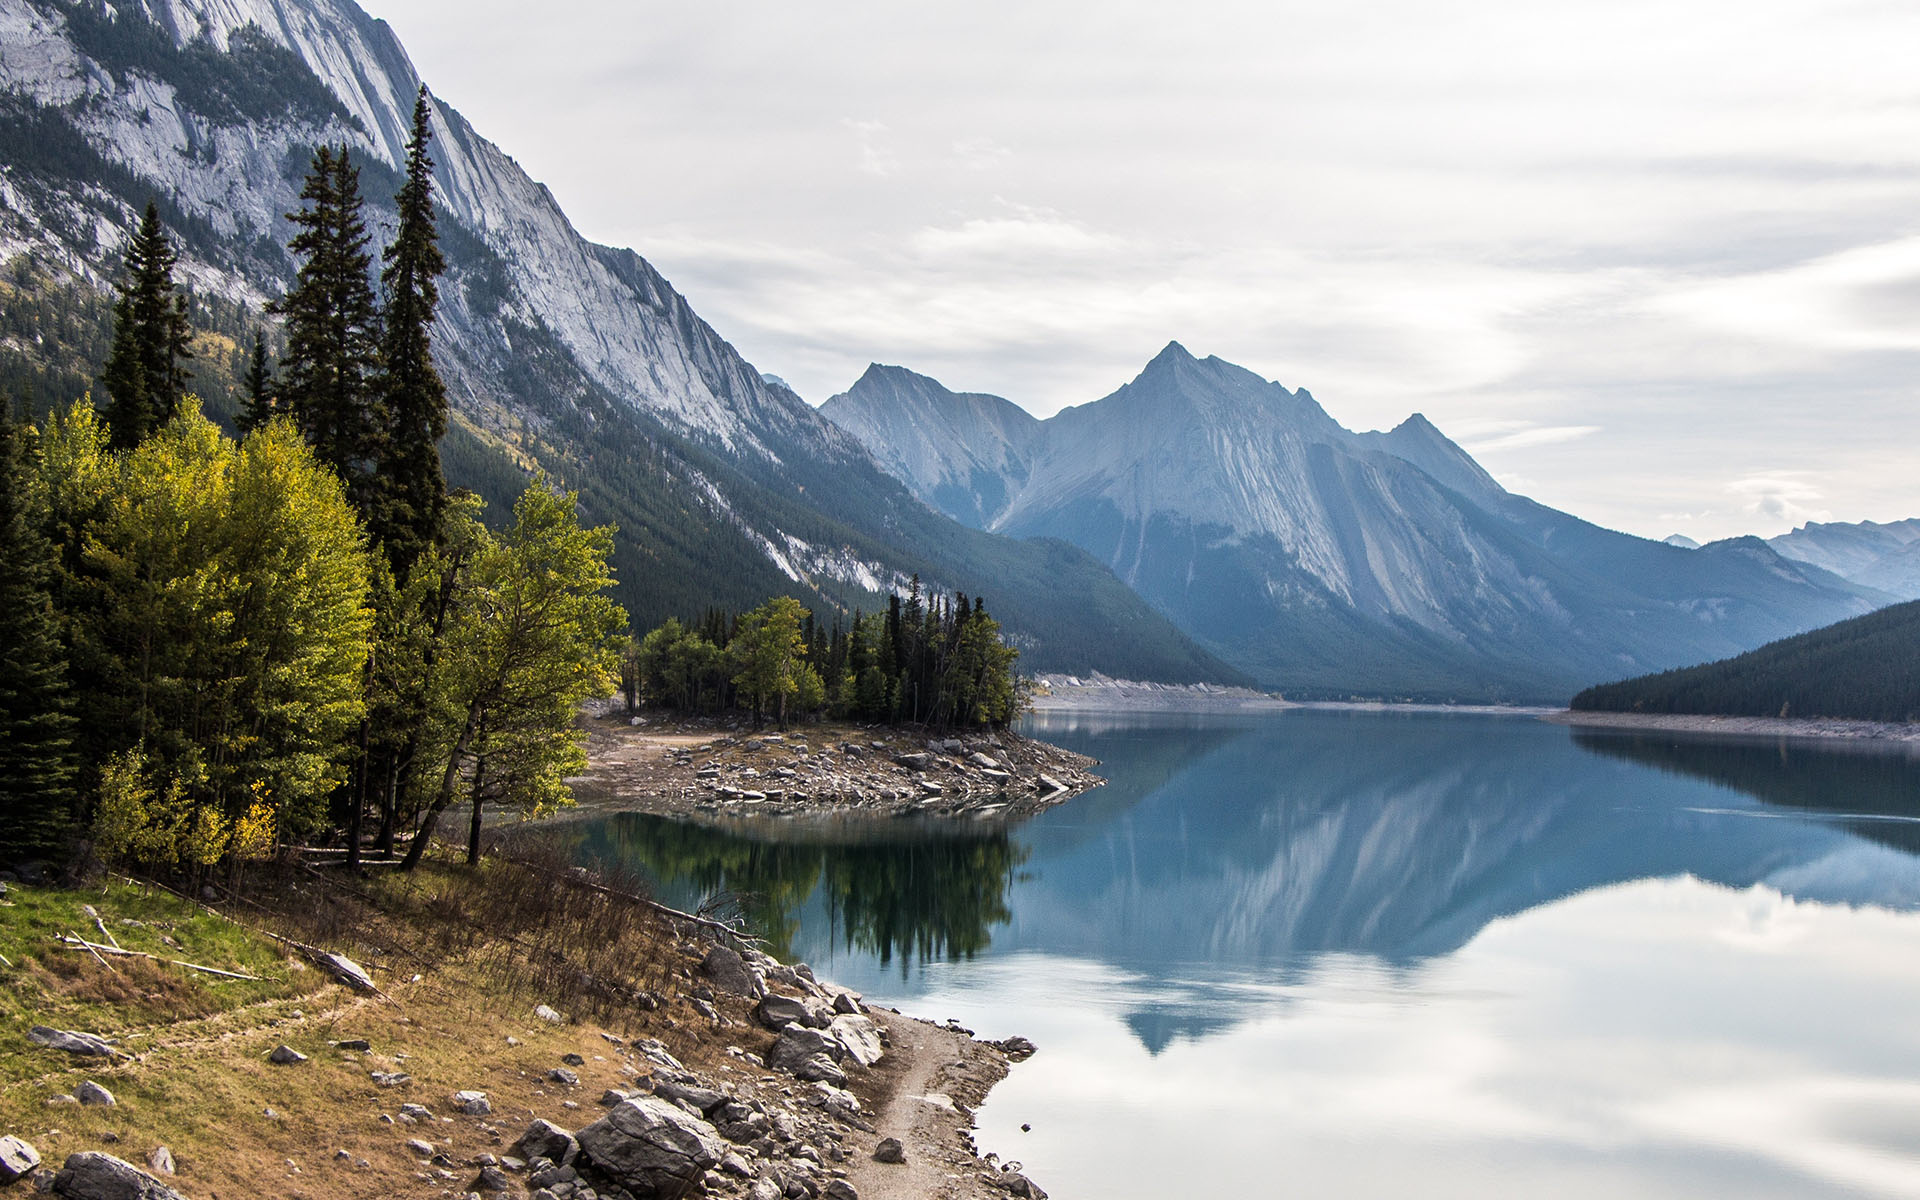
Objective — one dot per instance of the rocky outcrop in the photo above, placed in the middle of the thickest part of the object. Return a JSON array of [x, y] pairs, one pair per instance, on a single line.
[[71, 1041]]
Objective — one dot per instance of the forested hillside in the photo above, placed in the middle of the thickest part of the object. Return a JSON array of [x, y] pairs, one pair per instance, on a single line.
[[1867, 669]]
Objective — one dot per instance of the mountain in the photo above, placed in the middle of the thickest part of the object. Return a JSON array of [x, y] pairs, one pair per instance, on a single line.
[[560, 354], [1329, 562], [1883, 556], [1867, 669], [1683, 541]]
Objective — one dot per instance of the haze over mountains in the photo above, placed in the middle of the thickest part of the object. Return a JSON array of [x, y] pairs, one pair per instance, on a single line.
[[1326, 560], [1256, 538]]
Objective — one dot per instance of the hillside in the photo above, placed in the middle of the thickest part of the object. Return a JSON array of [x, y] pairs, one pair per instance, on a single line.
[[560, 354], [1866, 669]]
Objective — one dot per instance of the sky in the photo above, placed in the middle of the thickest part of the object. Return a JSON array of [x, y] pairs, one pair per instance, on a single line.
[[1656, 264]]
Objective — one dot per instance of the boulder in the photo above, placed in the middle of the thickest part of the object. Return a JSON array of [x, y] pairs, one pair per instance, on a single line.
[[17, 1159], [474, 1104], [347, 972], [491, 1179], [847, 1002], [90, 1092], [840, 1189], [984, 760], [890, 1151], [652, 1147], [859, 1038], [703, 1098], [91, 1175], [562, 1075], [160, 1162], [543, 1139], [777, 1012], [731, 973], [913, 762], [286, 1056], [71, 1041], [548, 1015]]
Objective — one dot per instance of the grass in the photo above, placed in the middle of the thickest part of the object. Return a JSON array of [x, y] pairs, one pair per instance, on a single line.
[[462, 954]]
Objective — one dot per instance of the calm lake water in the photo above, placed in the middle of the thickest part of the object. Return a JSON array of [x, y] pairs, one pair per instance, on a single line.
[[1347, 954]]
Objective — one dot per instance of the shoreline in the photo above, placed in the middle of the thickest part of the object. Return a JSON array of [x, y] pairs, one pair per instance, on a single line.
[[712, 771], [1819, 728]]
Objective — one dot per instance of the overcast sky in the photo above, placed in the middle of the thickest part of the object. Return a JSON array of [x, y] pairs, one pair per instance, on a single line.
[[1655, 263]]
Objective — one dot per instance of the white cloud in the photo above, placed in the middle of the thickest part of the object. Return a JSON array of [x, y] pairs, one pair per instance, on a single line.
[[1779, 497]]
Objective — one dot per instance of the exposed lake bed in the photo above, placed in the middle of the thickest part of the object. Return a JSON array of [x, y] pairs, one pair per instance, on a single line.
[[1427, 951]]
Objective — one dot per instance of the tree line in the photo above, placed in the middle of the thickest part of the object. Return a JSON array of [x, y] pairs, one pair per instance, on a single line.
[[217, 644], [938, 661]]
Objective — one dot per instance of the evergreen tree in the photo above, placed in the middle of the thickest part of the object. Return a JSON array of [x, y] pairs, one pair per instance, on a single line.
[[36, 728], [258, 407], [328, 371], [145, 375], [414, 496]]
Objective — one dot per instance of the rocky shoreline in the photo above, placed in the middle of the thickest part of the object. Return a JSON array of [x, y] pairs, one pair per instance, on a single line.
[[789, 1089], [707, 771], [1770, 727]]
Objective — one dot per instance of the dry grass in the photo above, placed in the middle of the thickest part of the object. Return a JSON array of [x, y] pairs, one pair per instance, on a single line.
[[486, 944]]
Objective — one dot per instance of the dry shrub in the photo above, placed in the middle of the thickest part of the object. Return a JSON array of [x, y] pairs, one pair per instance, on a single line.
[[156, 990]]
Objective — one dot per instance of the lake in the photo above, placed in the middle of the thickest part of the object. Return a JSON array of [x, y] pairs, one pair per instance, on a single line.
[[1366, 954]]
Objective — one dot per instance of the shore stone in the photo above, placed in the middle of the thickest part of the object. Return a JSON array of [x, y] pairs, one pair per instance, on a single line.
[[91, 1175], [90, 1092], [652, 1147], [286, 1055], [859, 1037], [72, 1041], [890, 1151], [776, 1012], [17, 1159]]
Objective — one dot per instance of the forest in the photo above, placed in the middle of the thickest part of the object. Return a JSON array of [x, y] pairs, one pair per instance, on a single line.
[[218, 643], [1865, 669]]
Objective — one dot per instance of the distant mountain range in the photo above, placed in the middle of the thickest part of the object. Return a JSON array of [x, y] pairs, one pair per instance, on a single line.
[[560, 354], [1329, 562], [1885, 557]]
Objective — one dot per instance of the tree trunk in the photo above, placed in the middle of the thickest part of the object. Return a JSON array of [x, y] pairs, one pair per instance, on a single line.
[[445, 795], [473, 830], [357, 807]]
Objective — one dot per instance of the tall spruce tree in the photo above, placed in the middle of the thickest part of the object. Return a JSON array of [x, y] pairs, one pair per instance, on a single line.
[[414, 491], [145, 375], [332, 358], [36, 726], [257, 407]]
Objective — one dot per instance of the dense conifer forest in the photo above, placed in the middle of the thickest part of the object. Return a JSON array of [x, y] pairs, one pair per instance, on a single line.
[[1865, 669]]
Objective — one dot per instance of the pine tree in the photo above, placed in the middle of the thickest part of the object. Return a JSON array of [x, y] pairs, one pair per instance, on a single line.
[[328, 371], [258, 406], [414, 495], [36, 726], [145, 375]]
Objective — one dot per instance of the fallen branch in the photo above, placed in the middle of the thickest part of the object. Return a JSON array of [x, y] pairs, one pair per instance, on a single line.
[[91, 949], [99, 924], [77, 943], [664, 910], [7, 962]]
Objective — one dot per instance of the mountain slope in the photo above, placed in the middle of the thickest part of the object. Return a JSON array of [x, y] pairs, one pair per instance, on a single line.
[[1324, 561], [560, 354], [1867, 668], [1884, 556]]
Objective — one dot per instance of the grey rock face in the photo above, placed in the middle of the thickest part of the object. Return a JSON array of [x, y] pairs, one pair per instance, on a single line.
[[71, 1041], [652, 1147], [543, 1139], [17, 1159], [94, 1176]]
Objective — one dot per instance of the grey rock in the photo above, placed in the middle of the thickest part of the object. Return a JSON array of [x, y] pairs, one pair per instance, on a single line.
[[418, 1112], [286, 1056], [847, 1002], [573, 1060], [1019, 1185], [72, 1041], [984, 760], [777, 1012], [1018, 1048], [492, 1179], [764, 1189], [914, 762], [90, 1092], [703, 1098], [890, 1151], [91, 1175], [543, 1139], [472, 1103], [840, 1189], [858, 1036], [160, 1162], [17, 1159], [387, 1079], [347, 972], [652, 1147], [565, 1076], [423, 1148], [353, 1044], [548, 1015]]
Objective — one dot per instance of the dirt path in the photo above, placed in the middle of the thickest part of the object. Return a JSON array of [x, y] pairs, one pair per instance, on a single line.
[[930, 1082]]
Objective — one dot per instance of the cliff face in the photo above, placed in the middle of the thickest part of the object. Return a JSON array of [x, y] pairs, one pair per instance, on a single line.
[[561, 354]]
